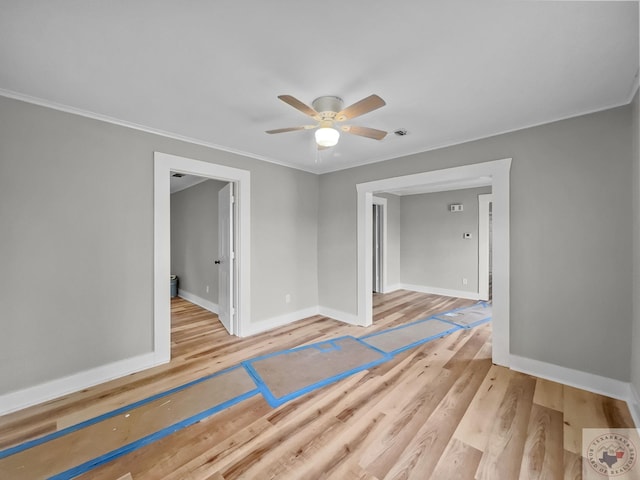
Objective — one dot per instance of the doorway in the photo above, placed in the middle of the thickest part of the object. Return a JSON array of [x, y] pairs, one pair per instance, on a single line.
[[497, 172], [163, 165], [202, 243], [379, 246], [485, 204]]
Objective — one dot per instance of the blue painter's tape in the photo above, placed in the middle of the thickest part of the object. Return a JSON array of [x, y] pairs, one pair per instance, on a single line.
[[261, 387], [454, 328], [277, 401], [386, 354], [450, 322], [383, 332], [444, 318], [332, 346], [38, 441], [85, 467]]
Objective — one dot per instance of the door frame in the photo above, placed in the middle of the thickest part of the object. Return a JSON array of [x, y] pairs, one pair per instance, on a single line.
[[383, 253], [498, 171], [164, 164], [484, 243], [226, 257]]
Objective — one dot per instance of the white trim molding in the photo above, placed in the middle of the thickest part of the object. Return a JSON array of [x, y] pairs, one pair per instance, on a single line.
[[201, 302], [288, 318], [393, 288], [344, 317], [383, 203], [484, 244], [279, 321], [573, 378], [165, 164], [13, 401], [498, 171], [440, 291], [634, 404]]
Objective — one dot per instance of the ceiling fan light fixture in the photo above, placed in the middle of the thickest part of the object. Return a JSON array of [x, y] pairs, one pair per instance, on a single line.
[[327, 136]]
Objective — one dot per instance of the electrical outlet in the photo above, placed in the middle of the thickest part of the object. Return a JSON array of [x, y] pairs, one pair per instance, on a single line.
[[465, 281], [287, 298]]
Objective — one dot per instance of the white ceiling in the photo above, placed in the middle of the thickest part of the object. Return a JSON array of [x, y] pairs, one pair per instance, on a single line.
[[450, 71], [177, 184]]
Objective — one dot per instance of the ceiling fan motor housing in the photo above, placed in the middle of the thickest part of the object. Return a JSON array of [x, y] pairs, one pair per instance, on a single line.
[[327, 106]]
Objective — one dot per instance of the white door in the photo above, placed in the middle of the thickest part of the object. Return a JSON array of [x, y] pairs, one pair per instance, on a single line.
[[484, 245], [225, 257], [377, 248]]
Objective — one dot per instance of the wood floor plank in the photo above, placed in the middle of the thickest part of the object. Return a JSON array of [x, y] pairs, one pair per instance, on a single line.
[[423, 452], [475, 426], [505, 445], [440, 410], [459, 461], [572, 466], [542, 458], [549, 394]]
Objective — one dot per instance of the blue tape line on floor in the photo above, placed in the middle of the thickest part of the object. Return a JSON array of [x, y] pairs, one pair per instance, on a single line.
[[107, 457], [277, 401], [383, 332], [424, 340], [261, 388], [482, 303], [52, 436]]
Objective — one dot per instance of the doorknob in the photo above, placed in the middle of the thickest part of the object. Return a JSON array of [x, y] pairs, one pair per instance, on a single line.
[[217, 262]]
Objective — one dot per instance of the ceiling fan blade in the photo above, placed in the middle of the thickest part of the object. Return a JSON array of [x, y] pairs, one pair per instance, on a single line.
[[366, 105], [291, 129], [365, 132], [295, 103]]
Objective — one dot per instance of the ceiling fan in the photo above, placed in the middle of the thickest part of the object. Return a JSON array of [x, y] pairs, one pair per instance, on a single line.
[[328, 111]]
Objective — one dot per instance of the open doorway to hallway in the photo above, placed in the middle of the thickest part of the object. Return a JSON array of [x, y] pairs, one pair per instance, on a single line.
[[430, 239], [201, 242], [239, 304], [495, 173]]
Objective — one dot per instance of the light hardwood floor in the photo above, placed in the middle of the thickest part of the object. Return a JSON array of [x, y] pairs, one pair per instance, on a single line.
[[440, 410]]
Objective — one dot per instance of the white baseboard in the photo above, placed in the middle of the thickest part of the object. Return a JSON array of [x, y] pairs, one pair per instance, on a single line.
[[279, 321], [13, 401], [392, 288], [574, 378], [286, 319], [349, 318], [201, 302], [634, 404], [440, 291]]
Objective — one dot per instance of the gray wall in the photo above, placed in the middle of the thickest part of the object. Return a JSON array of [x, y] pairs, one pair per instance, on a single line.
[[571, 190], [76, 243], [194, 238], [433, 252], [635, 342], [76, 240]]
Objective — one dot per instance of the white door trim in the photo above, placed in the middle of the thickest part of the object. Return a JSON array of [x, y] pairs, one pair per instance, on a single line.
[[483, 245], [164, 164], [226, 261], [383, 202], [498, 170]]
